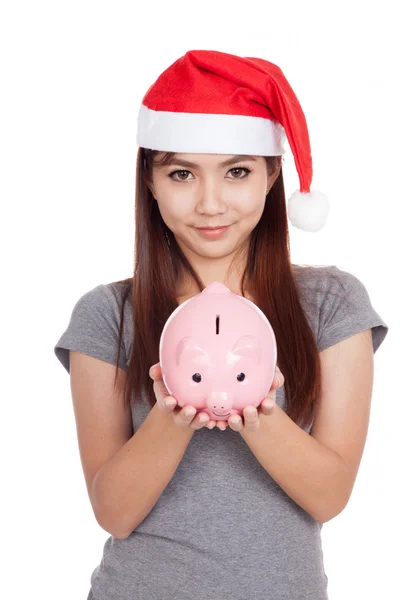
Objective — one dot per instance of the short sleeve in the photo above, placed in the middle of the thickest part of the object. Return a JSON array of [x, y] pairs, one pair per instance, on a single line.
[[93, 328], [346, 309]]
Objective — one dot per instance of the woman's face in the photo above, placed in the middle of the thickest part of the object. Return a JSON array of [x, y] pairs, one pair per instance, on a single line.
[[210, 190]]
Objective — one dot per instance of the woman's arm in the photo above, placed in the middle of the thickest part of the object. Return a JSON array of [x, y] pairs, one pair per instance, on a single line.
[[311, 474], [129, 484], [318, 471]]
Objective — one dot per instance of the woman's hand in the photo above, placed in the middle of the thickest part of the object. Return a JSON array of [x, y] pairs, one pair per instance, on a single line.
[[167, 404], [251, 414]]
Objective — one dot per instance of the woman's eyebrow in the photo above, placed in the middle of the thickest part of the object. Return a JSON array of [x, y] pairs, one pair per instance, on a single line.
[[225, 163]]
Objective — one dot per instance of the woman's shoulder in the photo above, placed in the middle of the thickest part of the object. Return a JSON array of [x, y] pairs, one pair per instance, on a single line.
[[93, 326], [314, 275], [118, 291], [326, 279], [102, 303], [343, 303]]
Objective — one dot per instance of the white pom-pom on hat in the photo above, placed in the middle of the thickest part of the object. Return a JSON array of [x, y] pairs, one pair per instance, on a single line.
[[308, 211]]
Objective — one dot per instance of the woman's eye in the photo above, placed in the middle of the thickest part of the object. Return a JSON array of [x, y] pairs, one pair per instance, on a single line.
[[247, 171], [174, 173]]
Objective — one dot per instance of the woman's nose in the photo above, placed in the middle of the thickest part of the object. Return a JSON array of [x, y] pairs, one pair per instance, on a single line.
[[210, 196]]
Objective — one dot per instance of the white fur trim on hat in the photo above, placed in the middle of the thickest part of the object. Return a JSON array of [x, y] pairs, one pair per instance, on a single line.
[[308, 211], [209, 133]]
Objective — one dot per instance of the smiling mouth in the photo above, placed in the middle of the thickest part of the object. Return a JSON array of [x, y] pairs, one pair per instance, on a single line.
[[216, 414]]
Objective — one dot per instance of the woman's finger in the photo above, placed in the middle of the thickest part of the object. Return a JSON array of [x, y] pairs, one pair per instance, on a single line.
[[155, 371], [200, 421], [235, 422], [279, 378], [183, 417], [165, 401], [170, 403], [268, 405], [251, 418]]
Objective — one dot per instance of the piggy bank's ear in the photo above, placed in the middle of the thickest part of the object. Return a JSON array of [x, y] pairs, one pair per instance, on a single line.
[[248, 345], [188, 348]]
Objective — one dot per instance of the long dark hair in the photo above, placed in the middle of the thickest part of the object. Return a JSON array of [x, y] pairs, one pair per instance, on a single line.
[[268, 276]]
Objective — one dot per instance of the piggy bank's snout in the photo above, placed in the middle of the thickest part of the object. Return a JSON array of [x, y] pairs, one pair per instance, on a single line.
[[219, 403]]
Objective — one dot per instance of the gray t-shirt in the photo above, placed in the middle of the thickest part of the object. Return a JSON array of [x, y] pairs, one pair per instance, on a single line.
[[222, 529]]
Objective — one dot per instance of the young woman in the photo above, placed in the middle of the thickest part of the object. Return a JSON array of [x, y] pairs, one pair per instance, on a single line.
[[207, 509]]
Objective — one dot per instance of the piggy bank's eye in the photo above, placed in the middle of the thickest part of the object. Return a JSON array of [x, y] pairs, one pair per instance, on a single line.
[[241, 376], [196, 377]]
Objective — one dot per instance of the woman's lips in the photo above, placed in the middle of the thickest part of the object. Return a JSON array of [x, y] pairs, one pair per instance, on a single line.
[[212, 233]]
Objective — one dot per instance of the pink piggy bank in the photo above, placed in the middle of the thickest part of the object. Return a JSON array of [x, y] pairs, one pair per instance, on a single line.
[[218, 353]]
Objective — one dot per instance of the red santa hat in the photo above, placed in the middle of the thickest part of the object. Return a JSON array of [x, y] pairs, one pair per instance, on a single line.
[[217, 103]]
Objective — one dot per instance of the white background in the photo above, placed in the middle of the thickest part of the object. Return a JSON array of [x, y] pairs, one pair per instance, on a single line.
[[73, 75]]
